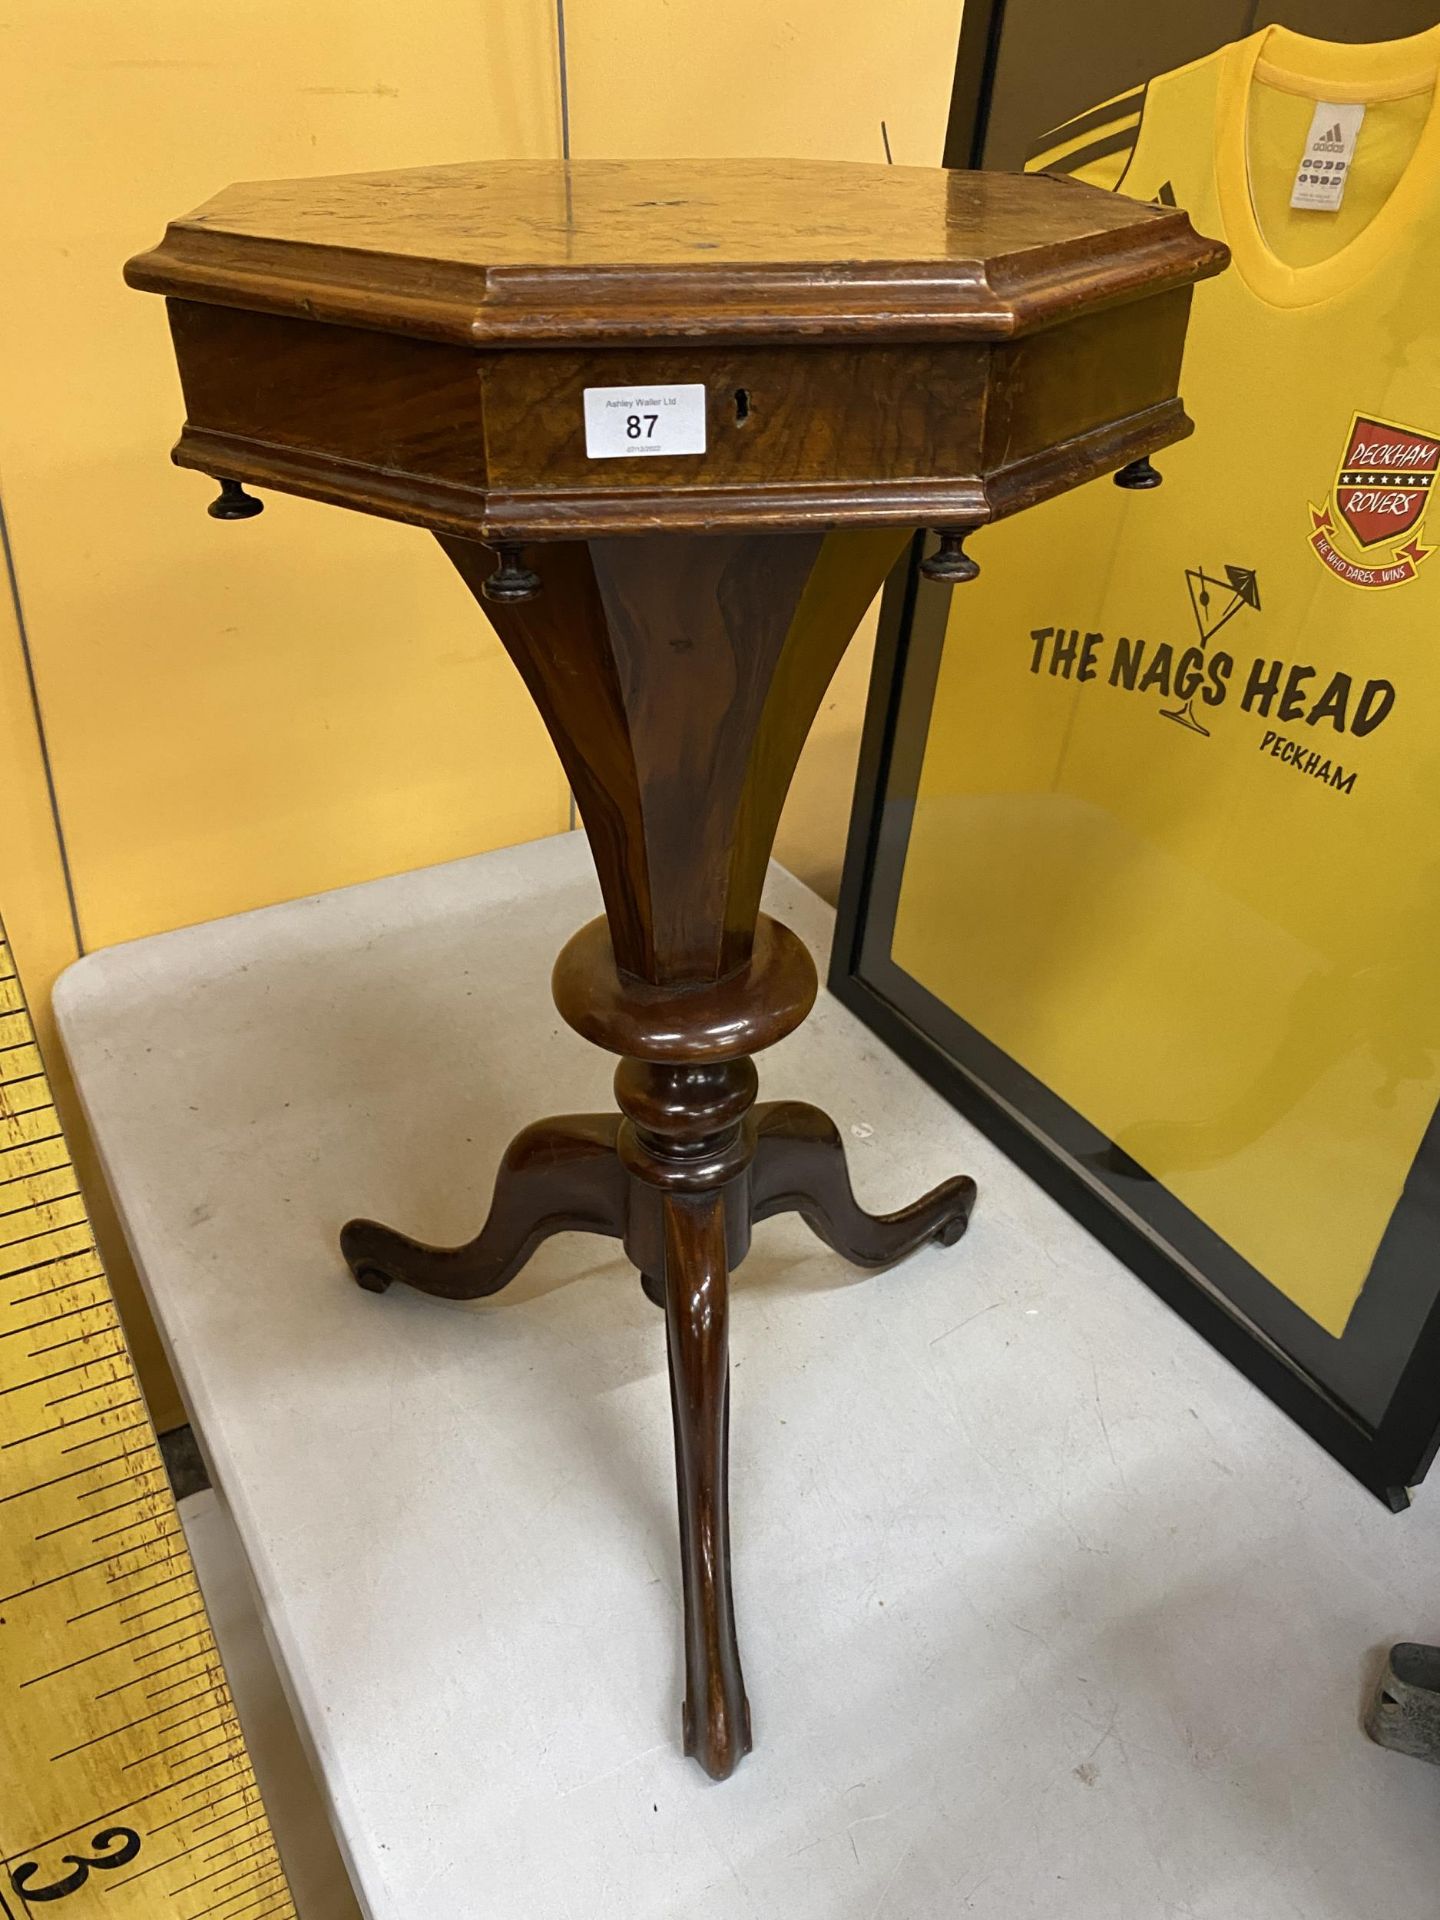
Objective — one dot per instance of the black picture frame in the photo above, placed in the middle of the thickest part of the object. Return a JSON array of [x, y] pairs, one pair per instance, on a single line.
[[1390, 1456], [1388, 1453]]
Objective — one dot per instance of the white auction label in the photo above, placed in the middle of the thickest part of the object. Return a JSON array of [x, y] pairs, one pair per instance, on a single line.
[[623, 423]]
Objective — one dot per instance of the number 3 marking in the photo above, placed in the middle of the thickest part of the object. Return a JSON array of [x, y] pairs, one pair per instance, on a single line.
[[82, 1863]]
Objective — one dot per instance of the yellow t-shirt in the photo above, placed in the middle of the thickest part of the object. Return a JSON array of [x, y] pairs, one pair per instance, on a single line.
[[1173, 842]]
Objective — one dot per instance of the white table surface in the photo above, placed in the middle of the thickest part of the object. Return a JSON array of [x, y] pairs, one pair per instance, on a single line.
[[1045, 1611]]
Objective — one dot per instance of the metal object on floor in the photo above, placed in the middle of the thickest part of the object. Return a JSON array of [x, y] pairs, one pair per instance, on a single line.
[[1404, 1714]]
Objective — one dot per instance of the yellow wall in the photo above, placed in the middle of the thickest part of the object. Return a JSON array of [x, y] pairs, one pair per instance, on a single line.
[[234, 714], [237, 714]]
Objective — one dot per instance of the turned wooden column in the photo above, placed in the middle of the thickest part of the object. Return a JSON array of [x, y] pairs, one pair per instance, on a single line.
[[673, 423]]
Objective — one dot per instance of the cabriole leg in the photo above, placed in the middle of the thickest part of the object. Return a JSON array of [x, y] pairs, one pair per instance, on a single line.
[[557, 1176], [717, 1714], [799, 1167]]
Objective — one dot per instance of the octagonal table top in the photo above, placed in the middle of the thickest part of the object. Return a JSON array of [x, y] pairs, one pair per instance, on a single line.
[[527, 251]]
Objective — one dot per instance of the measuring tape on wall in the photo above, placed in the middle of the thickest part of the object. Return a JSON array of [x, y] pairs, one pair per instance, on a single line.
[[126, 1792]]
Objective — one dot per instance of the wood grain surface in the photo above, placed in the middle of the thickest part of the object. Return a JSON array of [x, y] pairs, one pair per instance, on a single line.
[[531, 251]]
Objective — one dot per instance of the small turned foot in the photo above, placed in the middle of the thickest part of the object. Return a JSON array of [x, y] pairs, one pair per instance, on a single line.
[[234, 503], [512, 581], [1139, 476], [557, 1176], [950, 565], [799, 1167], [716, 1717]]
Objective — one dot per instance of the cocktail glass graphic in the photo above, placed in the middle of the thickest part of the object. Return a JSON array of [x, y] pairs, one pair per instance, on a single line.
[[1213, 601]]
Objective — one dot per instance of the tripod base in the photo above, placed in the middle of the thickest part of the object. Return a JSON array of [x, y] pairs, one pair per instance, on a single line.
[[565, 1175], [678, 676], [686, 1227]]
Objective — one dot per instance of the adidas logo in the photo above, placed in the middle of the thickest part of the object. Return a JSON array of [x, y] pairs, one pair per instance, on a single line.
[[1332, 141]]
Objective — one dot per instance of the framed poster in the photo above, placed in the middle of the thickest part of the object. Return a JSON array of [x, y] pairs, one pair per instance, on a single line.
[[1140, 870]]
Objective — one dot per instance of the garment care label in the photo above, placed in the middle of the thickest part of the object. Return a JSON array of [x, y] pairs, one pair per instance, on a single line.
[[623, 423], [1329, 151]]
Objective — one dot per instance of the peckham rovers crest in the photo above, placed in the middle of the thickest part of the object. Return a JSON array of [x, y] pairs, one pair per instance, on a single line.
[[1376, 505]]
